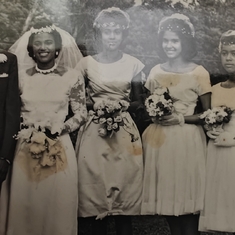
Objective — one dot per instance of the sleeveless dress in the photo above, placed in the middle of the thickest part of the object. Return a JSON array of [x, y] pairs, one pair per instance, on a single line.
[[219, 211], [174, 174], [43, 200], [110, 169]]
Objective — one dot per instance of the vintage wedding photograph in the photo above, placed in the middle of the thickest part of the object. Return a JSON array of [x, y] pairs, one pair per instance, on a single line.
[[117, 117]]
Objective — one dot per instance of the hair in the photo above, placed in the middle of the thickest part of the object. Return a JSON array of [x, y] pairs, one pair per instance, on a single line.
[[185, 34], [41, 25], [227, 38], [115, 16]]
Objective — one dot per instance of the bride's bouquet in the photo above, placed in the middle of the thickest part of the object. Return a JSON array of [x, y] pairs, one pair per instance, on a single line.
[[39, 131], [159, 103], [214, 119], [109, 114]]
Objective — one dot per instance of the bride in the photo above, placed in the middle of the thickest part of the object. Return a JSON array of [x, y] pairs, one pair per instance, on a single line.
[[43, 193]]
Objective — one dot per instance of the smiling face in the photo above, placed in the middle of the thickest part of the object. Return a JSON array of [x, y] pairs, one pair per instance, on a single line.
[[171, 45], [228, 58], [44, 50], [112, 37]]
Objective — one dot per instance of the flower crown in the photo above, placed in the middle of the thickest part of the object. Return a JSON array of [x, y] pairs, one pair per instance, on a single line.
[[177, 23], [227, 38], [112, 16], [47, 29]]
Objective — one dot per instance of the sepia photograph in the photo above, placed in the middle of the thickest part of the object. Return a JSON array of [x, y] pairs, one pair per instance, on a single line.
[[117, 117]]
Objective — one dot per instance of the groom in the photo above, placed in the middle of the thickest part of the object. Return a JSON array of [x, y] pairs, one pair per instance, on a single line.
[[9, 110]]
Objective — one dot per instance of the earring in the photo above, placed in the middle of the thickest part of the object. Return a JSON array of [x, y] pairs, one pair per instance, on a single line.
[[56, 53]]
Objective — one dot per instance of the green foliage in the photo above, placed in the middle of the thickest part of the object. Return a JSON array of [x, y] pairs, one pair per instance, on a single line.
[[12, 18], [210, 17]]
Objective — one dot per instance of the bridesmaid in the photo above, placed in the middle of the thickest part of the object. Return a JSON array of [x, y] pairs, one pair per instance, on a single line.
[[219, 211], [175, 146], [110, 168]]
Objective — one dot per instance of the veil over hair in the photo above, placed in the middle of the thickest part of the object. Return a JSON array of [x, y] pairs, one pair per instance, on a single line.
[[69, 54]]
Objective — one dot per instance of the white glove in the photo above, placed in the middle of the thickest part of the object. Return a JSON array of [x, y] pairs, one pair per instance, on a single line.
[[213, 134], [225, 139]]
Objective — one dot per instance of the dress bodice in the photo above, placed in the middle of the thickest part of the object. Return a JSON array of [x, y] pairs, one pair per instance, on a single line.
[[184, 88], [224, 96], [46, 97], [110, 80]]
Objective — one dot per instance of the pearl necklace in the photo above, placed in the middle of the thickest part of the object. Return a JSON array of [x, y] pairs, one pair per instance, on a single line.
[[45, 71]]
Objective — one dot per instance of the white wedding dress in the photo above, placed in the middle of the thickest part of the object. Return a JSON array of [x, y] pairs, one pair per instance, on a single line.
[[43, 200]]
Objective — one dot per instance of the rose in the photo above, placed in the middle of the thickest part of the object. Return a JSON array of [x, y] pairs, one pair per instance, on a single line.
[[109, 108], [38, 137], [102, 120], [102, 132], [100, 112], [109, 127], [91, 113], [25, 134], [219, 118], [115, 126], [109, 121], [36, 150], [118, 119], [48, 160]]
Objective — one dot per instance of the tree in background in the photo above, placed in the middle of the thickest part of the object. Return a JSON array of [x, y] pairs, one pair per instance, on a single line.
[[210, 17], [12, 18]]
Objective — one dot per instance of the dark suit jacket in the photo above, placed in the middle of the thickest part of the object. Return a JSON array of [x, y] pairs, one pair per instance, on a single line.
[[9, 105]]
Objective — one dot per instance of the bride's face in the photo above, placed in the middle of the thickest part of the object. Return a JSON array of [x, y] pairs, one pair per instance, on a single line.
[[44, 49]]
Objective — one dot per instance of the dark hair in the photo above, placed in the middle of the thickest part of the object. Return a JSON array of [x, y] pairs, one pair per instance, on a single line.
[[188, 42], [111, 15], [54, 33], [98, 37]]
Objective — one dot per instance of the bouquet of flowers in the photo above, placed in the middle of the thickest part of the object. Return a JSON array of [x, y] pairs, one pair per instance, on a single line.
[[213, 119], [108, 113], [40, 133], [159, 103]]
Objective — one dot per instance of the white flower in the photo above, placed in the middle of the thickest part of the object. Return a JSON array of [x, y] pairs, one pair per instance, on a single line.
[[205, 113], [3, 58], [160, 91], [25, 134]]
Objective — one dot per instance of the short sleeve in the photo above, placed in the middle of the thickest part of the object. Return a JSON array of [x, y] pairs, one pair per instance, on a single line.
[[203, 79], [152, 83], [138, 66], [81, 66]]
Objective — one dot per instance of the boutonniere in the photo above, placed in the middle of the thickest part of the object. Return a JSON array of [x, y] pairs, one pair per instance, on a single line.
[[3, 75], [3, 58]]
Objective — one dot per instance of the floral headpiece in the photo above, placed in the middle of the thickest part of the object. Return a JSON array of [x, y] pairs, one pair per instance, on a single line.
[[47, 29], [227, 38], [112, 17], [177, 23]]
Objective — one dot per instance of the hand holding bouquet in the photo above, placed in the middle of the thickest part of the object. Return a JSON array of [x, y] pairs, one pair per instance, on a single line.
[[40, 133], [108, 113], [214, 119], [159, 103]]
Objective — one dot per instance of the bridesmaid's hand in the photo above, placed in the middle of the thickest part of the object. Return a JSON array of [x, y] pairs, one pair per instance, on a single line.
[[225, 139], [213, 134], [169, 120]]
